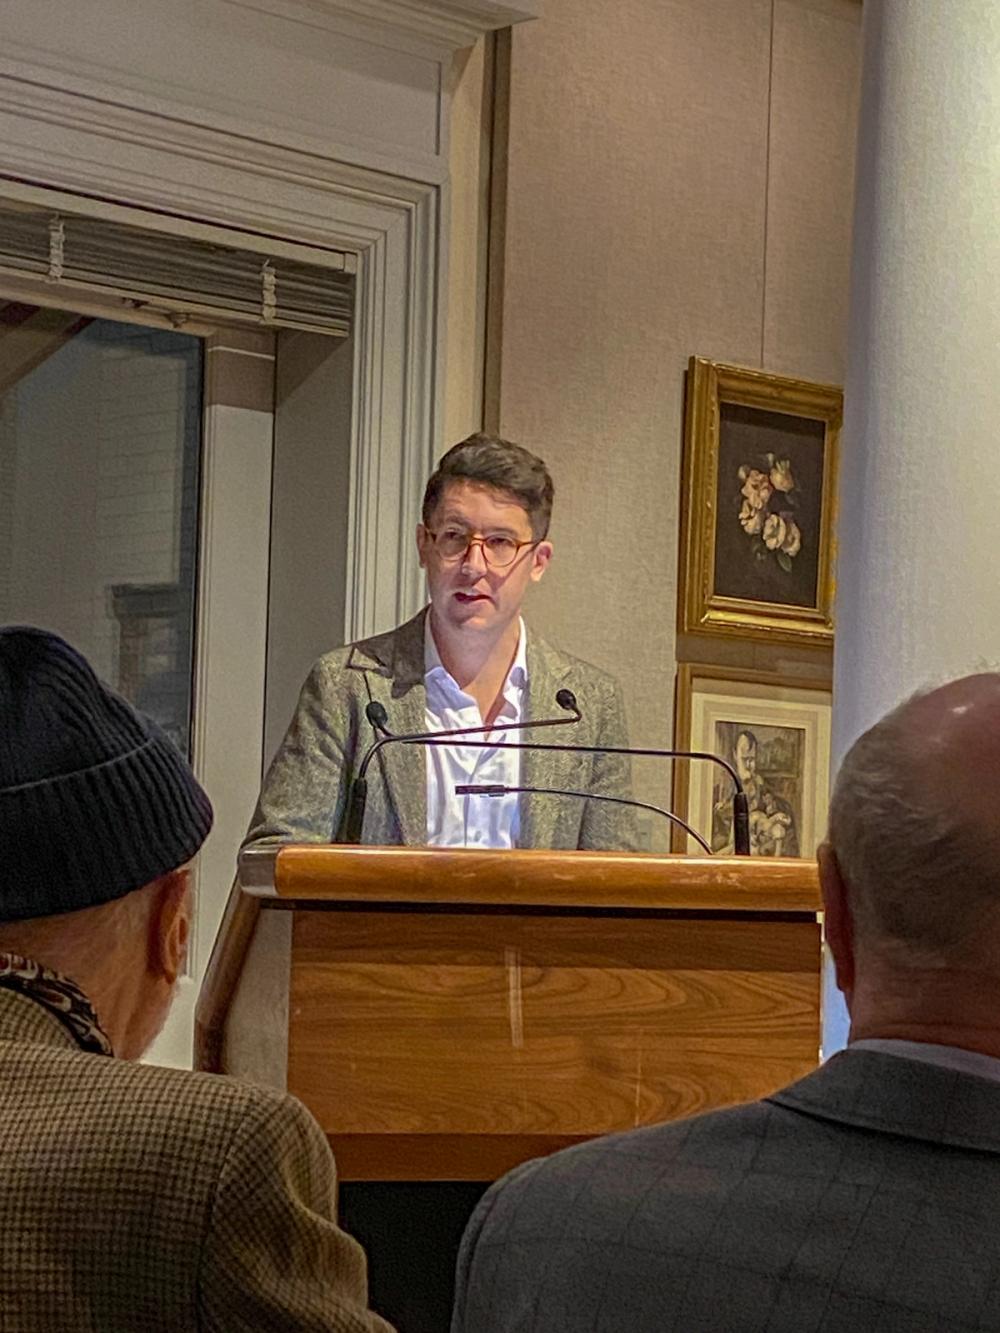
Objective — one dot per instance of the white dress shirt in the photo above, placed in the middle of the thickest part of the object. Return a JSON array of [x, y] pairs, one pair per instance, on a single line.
[[470, 821]]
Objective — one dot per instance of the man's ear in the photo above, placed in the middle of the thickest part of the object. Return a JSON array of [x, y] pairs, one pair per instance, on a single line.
[[541, 556], [839, 924], [170, 925], [424, 540]]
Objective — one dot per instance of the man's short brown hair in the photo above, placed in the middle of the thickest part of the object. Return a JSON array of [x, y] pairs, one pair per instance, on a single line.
[[491, 461]]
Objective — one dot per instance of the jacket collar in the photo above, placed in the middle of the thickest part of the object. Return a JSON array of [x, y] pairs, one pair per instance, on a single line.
[[397, 655], [893, 1095], [393, 666], [24, 1020]]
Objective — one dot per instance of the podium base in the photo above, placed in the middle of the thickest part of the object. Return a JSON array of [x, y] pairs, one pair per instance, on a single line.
[[411, 1231]]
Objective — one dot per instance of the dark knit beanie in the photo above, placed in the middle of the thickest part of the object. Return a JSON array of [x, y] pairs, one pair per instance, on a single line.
[[94, 800]]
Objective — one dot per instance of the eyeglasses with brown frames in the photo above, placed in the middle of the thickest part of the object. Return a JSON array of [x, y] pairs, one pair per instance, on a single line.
[[498, 550]]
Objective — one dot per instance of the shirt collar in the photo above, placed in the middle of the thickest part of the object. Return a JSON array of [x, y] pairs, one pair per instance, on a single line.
[[517, 676]]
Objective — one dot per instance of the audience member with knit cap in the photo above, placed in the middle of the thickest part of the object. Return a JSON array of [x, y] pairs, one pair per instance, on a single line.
[[131, 1197]]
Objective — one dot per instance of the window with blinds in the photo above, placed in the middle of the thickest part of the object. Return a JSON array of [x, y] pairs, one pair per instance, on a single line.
[[178, 275]]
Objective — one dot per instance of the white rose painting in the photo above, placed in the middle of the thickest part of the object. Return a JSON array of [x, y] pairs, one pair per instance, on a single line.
[[769, 506], [759, 487], [765, 511]]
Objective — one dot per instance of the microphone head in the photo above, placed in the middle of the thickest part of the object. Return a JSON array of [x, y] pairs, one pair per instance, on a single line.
[[567, 699], [376, 714]]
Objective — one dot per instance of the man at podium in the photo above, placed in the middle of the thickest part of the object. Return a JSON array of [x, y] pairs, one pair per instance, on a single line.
[[465, 661]]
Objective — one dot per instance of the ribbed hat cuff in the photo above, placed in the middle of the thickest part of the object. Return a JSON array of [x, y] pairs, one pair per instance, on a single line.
[[87, 837]]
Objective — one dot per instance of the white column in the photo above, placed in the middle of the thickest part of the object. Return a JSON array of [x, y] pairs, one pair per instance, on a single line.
[[919, 531]]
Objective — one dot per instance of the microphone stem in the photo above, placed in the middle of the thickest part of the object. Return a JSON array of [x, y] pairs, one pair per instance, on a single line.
[[444, 737], [582, 749], [615, 800]]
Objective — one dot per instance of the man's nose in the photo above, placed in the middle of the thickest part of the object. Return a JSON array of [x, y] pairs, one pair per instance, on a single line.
[[475, 556]]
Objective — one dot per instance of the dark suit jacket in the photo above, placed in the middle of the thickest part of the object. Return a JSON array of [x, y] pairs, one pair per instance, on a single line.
[[864, 1197], [153, 1200], [304, 797]]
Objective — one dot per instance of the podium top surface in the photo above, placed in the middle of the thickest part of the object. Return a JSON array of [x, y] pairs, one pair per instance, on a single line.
[[434, 877]]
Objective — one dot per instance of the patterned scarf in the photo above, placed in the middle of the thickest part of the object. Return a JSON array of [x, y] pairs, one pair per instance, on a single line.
[[60, 996]]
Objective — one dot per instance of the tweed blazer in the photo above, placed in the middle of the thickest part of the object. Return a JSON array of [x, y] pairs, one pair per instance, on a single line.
[[864, 1197], [304, 796], [135, 1199]]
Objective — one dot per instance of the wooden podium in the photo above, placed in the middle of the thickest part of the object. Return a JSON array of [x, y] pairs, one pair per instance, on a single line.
[[446, 1014]]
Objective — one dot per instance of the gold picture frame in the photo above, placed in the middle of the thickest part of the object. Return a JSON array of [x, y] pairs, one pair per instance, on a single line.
[[775, 729], [759, 504]]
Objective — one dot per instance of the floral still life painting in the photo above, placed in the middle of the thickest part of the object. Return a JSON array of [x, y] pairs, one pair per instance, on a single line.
[[767, 514], [759, 501], [770, 494]]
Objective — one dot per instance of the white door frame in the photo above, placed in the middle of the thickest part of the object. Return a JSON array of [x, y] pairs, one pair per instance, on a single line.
[[50, 139]]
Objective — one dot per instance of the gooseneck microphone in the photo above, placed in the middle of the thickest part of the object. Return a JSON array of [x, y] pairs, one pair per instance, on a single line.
[[566, 699], [741, 813], [497, 789], [375, 712], [378, 717], [741, 808]]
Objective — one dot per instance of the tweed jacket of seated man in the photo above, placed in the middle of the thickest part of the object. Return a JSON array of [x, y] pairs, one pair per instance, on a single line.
[[147, 1199], [133, 1199]]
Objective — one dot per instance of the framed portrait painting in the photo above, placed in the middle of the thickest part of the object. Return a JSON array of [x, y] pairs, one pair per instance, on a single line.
[[760, 466], [775, 731]]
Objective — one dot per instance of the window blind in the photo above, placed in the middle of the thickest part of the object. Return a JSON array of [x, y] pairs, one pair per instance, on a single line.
[[176, 275]]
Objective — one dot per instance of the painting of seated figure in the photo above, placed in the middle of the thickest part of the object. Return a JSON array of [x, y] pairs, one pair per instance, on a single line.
[[774, 732]]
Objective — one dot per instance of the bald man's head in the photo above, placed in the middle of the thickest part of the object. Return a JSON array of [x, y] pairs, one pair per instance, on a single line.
[[915, 826]]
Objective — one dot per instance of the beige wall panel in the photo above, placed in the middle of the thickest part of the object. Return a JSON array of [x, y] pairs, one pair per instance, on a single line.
[[635, 236], [816, 68]]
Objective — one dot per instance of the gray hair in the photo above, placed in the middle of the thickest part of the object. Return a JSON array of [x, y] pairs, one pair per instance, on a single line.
[[923, 876]]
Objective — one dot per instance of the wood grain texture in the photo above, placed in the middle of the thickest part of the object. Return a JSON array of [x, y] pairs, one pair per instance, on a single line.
[[435, 876], [439, 1156], [462, 1028]]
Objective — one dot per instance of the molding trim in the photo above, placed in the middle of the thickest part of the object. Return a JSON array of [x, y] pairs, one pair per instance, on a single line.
[[392, 225], [25, 79], [497, 235], [395, 413], [448, 25]]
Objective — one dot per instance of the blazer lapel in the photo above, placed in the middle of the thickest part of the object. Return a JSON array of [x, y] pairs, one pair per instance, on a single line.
[[539, 815], [403, 766]]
